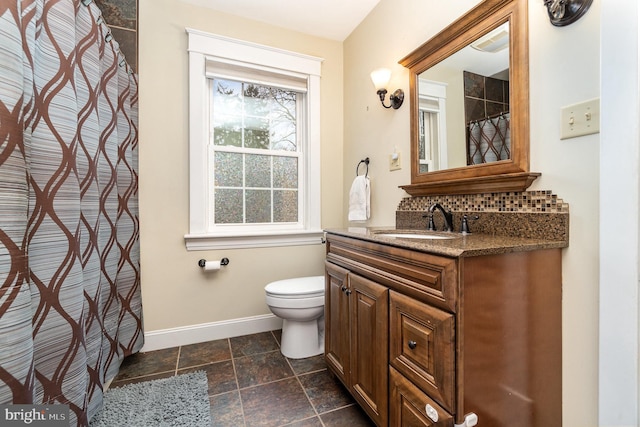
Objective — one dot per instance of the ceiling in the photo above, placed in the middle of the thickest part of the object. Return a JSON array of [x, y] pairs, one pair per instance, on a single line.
[[331, 19]]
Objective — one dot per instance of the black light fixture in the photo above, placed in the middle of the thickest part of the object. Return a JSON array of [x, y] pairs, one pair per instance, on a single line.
[[380, 78], [565, 12]]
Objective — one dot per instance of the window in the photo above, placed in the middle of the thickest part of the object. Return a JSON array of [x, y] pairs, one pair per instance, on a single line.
[[428, 139], [432, 150], [253, 145], [255, 153]]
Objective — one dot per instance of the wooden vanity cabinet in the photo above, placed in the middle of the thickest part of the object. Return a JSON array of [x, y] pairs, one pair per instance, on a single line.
[[356, 316], [429, 339]]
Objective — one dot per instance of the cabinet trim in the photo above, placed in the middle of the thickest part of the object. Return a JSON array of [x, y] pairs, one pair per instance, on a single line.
[[428, 278]]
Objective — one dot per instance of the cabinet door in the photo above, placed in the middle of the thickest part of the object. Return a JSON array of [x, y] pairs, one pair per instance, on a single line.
[[369, 307], [336, 332], [410, 407], [422, 346]]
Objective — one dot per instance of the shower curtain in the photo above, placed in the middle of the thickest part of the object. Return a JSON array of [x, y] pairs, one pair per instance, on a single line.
[[70, 306], [489, 140]]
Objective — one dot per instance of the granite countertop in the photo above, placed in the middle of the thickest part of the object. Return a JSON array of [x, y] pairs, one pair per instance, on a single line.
[[459, 246]]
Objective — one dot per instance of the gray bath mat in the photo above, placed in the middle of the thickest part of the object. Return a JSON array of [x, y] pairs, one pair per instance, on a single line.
[[180, 401]]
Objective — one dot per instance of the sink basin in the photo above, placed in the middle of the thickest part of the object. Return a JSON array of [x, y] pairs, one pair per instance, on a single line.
[[416, 236]]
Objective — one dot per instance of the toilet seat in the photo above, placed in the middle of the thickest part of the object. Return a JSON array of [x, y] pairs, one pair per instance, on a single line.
[[301, 287]]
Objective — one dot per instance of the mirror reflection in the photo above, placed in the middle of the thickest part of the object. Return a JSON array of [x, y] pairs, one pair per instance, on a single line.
[[463, 106]]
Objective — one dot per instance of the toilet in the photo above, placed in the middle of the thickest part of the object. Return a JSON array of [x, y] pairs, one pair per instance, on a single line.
[[299, 303]]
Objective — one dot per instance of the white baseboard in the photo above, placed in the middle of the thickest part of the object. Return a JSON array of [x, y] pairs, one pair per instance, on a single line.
[[193, 334]]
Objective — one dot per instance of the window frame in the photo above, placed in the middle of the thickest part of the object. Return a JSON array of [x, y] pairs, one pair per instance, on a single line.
[[435, 92], [204, 47]]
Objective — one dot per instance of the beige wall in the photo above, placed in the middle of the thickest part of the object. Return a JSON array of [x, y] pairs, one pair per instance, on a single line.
[[559, 76], [570, 168], [390, 32], [175, 292]]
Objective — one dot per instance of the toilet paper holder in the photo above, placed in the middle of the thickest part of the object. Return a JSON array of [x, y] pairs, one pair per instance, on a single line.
[[203, 262]]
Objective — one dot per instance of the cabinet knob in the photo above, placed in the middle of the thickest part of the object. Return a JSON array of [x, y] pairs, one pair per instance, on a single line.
[[432, 413], [348, 292], [412, 344], [343, 288]]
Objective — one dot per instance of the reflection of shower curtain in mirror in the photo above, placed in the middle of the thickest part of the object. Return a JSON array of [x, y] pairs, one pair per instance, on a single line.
[[489, 140]]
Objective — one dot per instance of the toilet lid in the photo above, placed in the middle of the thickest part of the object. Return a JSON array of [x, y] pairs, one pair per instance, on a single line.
[[300, 286]]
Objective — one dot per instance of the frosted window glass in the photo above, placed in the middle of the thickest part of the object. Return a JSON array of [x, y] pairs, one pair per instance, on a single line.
[[285, 172], [258, 206], [228, 169], [285, 206], [228, 206], [258, 171]]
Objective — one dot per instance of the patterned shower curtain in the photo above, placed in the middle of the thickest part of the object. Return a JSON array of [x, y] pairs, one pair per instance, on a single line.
[[489, 140], [70, 306]]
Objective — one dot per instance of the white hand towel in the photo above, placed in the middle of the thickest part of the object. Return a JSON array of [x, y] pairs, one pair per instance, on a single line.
[[359, 199]]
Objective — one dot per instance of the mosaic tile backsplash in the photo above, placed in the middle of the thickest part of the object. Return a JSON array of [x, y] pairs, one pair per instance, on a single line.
[[525, 201], [530, 214], [122, 18]]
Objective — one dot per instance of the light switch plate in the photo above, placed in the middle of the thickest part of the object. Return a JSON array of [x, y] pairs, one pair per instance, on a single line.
[[580, 119], [395, 164]]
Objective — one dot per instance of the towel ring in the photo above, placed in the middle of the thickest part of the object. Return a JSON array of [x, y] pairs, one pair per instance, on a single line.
[[366, 162]]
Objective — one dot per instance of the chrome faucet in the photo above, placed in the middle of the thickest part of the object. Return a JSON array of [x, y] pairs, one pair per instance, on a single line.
[[448, 217]]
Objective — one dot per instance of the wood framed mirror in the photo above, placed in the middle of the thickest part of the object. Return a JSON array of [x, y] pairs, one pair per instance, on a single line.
[[452, 96]]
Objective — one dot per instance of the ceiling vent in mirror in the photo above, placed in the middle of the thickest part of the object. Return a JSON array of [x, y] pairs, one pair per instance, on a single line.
[[494, 41]]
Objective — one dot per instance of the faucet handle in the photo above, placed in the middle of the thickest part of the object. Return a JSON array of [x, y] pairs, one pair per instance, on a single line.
[[464, 228], [430, 225]]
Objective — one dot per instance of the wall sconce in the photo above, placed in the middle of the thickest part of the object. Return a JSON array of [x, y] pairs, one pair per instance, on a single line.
[[565, 12], [380, 79]]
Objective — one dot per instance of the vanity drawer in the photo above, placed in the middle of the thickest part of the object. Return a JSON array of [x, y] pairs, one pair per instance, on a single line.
[[425, 277], [410, 406], [422, 346]]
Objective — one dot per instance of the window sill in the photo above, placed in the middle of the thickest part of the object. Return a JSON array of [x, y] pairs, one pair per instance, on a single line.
[[201, 242]]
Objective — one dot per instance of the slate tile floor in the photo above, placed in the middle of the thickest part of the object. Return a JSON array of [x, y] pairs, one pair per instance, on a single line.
[[251, 384]]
